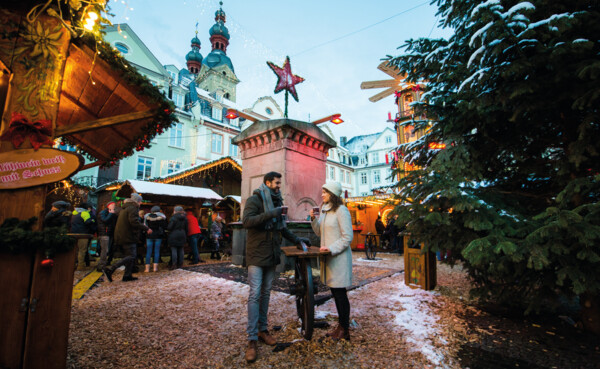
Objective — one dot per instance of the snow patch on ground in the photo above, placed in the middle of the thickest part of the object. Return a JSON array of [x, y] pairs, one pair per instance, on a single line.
[[418, 319]]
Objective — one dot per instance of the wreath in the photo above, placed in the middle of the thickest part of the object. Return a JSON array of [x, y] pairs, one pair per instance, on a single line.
[[17, 236]]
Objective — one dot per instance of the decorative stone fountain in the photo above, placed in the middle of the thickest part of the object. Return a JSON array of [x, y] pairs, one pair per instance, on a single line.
[[297, 150]]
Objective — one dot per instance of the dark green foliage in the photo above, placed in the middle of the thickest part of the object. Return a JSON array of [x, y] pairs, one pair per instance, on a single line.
[[515, 193], [17, 236]]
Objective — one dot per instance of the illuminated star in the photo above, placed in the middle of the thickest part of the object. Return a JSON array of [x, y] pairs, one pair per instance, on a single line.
[[285, 79]]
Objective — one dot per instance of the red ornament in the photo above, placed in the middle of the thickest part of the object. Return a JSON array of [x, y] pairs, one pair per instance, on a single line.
[[21, 128], [47, 263], [285, 79]]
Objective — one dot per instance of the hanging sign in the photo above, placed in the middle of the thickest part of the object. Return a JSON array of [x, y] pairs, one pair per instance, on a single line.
[[28, 167]]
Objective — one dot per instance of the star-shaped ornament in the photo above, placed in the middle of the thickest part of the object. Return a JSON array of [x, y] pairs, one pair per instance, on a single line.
[[285, 79]]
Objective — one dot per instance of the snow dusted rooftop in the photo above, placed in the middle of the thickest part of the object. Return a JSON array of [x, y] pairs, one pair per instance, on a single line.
[[360, 144], [143, 187]]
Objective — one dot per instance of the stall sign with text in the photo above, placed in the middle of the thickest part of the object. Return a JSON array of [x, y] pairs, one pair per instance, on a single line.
[[27, 168]]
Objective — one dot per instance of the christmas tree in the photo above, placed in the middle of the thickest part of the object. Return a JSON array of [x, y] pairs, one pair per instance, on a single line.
[[514, 94]]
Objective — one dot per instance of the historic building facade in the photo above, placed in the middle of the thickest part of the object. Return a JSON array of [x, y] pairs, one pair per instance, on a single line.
[[201, 92]]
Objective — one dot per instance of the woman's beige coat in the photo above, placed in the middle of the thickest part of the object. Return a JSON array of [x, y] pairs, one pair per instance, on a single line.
[[335, 230]]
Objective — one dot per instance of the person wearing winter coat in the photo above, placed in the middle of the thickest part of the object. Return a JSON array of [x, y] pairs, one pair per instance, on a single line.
[[107, 220], [157, 222], [266, 228], [83, 222], [216, 233], [334, 227], [194, 236], [178, 229], [127, 235], [59, 215]]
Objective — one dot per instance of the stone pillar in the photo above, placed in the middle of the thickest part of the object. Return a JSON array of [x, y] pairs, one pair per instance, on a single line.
[[297, 150]]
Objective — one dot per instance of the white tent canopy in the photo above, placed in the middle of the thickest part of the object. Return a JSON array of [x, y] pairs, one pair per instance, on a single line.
[[143, 187]]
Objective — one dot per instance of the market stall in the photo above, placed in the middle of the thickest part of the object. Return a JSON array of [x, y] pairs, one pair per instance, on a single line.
[[60, 82], [364, 211]]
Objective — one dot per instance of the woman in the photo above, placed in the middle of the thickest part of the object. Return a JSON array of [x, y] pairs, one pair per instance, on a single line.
[[216, 234], [178, 229], [334, 226], [157, 222]]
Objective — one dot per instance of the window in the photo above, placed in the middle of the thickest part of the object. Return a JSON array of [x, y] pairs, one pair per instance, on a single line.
[[173, 166], [363, 178], [176, 135], [332, 173], [376, 177], [217, 143], [388, 139], [389, 176], [375, 157], [269, 111], [178, 100], [173, 76], [144, 167], [233, 149], [362, 160], [348, 178], [217, 113], [123, 49]]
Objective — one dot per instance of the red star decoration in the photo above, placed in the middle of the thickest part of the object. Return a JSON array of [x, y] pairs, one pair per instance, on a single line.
[[285, 79]]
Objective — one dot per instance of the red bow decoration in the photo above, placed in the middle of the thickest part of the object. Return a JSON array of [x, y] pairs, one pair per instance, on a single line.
[[398, 94], [20, 128]]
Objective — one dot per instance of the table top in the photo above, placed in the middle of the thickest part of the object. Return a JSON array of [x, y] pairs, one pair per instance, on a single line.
[[313, 252], [371, 234]]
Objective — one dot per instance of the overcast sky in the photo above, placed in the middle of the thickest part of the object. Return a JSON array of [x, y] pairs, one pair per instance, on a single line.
[[333, 44]]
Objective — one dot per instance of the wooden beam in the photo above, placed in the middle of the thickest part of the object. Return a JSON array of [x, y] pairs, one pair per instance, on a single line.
[[103, 122], [325, 119], [389, 70], [379, 84], [92, 165], [382, 94], [244, 115]]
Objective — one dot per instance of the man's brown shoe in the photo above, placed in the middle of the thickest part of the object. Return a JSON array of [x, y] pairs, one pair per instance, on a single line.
[[342, 334], [334, 332], [267, 338], [252, 351]]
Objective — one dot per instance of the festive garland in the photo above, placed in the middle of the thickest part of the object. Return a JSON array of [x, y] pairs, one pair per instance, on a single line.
[[17, 237]]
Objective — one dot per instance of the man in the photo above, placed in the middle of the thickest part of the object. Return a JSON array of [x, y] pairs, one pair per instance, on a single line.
[[127, 234], [266, 227], [107, 220], [216, 233], [59, 215], [83, 222]]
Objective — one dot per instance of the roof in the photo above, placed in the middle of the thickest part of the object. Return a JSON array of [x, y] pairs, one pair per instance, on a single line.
[[360, 144], [115, 112], [163, 189], [237, 199], [199, 168]]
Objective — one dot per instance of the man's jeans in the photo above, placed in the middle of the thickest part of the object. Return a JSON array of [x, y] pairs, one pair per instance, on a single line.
[[260, 280], [193, 242], [104, 242], [128, 260], [153, 245]]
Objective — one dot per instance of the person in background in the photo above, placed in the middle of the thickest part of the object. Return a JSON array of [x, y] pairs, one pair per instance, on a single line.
[[334, 227], [194, 236], [216, 233], [82, 222], [59, 215], [391, 231], [157, 222], [127, 234], [107, 220], [178, 230], [379, 229]]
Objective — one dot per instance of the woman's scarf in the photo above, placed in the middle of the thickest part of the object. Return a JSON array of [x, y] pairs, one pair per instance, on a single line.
[[268, 196]]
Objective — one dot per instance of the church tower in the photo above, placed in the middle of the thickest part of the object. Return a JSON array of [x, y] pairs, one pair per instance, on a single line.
[[194, 58], [217, 75]]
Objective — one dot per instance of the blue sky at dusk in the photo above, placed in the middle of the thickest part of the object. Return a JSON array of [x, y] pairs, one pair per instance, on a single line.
[[334, 45]]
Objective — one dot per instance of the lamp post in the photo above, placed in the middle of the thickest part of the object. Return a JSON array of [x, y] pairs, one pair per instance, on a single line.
[[334, 118]]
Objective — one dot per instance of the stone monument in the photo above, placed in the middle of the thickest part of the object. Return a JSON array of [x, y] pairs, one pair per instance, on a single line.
[[297, 150]]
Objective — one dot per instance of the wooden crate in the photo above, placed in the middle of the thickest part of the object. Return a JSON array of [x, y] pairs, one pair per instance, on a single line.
[[420, 269]]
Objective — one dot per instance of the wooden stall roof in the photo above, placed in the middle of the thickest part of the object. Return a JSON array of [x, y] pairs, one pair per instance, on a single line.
[[200, 168], [162, 191], [106, 114]]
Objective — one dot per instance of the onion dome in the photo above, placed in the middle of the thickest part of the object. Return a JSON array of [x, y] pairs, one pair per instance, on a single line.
[[219, 29], [196, 42], [194, 58], [216, 58]]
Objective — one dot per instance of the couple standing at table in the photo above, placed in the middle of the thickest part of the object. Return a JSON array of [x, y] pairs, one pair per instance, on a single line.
[[266, 227]]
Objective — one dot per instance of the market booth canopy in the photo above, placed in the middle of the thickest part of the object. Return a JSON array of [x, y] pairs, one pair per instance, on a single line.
[[161, 192], [102, 112]]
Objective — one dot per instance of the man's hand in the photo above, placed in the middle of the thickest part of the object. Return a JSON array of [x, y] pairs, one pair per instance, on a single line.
[[305, 240], [276, 212], [324, 249], [149, 230]]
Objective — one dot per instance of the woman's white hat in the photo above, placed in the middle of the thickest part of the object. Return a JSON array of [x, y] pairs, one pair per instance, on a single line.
[[334, 187]]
